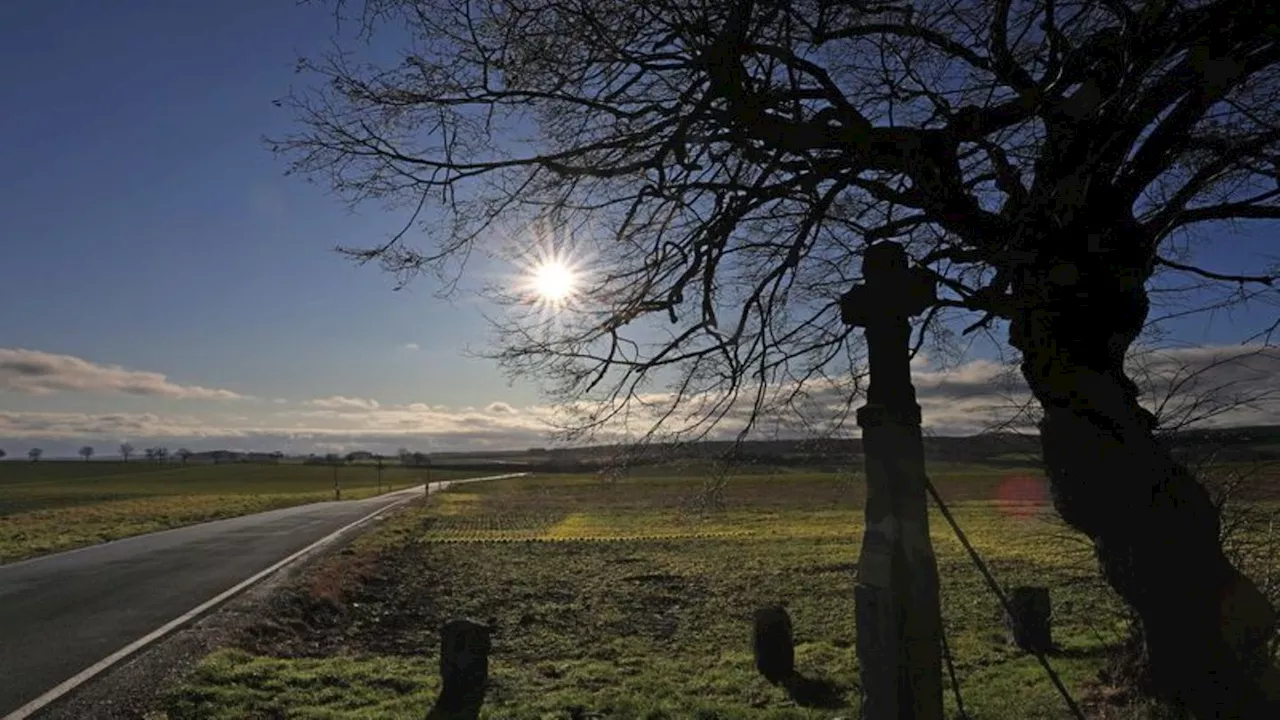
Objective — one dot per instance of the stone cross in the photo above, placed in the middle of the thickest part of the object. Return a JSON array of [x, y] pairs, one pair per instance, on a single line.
[[897, 608]]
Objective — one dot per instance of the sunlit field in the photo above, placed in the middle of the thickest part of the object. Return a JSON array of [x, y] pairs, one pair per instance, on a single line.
[[52, 506], [633, 599]]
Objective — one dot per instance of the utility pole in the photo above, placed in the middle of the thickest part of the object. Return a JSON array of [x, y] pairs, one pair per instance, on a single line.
[[337, 492], [898, 613], [379, 461]]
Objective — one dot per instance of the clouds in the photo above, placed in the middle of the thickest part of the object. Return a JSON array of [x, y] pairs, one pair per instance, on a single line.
[[340, 402], [963, 400], [37, 373], [411, 346], [301, 430]]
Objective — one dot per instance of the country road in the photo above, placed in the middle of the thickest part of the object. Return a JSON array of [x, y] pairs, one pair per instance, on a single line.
[[62, 613]]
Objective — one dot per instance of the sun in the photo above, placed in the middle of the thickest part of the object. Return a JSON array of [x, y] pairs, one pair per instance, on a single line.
[[554, 281], [550, 278]]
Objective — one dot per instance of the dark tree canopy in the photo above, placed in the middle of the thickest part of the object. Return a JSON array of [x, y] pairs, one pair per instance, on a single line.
[[721, 166], [723, 163]]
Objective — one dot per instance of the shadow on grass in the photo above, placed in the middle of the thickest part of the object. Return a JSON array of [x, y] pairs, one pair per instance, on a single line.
[[815, 692], [1082, 653]]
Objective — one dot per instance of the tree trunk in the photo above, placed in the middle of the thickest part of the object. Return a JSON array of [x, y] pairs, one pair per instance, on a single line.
[[1154, 526]]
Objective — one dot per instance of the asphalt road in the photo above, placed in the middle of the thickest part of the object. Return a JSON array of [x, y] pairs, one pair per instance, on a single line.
[[62, 613]]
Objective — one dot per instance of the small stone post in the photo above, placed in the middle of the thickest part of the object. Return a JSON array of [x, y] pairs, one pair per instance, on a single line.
[[1029, 626], [898, 613], [464, 671], [773, 645]]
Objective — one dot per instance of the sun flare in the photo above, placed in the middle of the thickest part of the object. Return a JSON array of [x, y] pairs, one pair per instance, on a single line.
[[553, 281]]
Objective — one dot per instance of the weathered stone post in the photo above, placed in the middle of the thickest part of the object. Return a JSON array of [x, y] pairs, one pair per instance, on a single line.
[[773, 645], [464, 671], [1030, 624], [897, 607]]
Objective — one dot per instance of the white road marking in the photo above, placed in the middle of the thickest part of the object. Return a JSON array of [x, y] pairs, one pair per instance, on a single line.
[[97, 668]]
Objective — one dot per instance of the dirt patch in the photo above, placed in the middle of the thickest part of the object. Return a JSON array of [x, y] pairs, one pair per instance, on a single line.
[[653, 606], [842, 568], [379, 604]]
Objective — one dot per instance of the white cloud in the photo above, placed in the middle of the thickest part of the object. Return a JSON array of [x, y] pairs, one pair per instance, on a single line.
[[383, 429], [36, 373], [411, 346], [340, 402], [963, 400]]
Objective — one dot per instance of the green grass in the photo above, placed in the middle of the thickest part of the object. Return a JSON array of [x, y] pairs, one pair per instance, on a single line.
[[617, 600], [52, 506]]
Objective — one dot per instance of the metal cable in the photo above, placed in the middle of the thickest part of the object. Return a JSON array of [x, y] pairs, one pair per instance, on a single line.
[[1004, 602], [951, 670]]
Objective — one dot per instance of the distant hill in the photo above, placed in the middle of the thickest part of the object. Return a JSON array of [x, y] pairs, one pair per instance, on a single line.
[[1236, 444]]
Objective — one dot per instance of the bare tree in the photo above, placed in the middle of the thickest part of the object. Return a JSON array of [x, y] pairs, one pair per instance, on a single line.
[[184, 455], [86, 452], [722, 166], [126, 451], [2, 454], [34, 454], [1190, 391]]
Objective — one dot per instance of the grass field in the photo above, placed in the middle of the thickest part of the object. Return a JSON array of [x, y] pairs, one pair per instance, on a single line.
[[51, 506], [616, 600]]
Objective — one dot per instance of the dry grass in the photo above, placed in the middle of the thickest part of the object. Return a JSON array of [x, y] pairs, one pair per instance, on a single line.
[[53, 506], [621, 600]]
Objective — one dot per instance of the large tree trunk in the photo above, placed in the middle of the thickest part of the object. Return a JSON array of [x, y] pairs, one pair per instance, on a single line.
[[1153, 525]]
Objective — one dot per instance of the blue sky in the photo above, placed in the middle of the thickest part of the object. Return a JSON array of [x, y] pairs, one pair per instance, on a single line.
[[145, 228]]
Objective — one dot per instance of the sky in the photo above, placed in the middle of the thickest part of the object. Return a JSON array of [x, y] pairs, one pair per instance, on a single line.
[[163, 282]]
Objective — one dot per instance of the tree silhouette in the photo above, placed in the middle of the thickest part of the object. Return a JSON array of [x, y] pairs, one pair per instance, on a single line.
[[86, 452], [126, 451], [724, 165], [34, 454], [2, 454], [184, 455]]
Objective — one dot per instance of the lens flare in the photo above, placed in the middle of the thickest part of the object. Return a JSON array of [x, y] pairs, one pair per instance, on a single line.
[[1022, 495]]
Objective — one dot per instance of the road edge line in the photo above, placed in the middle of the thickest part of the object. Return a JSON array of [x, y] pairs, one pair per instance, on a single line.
[[80, 678]]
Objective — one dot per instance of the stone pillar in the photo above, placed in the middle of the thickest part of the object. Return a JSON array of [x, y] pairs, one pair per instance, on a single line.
[[1029, 626], [773, 645], [464, 671], [897, 605]]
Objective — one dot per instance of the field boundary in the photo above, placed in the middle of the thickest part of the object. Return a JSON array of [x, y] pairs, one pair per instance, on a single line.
[[84, 676], [713, 535]]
